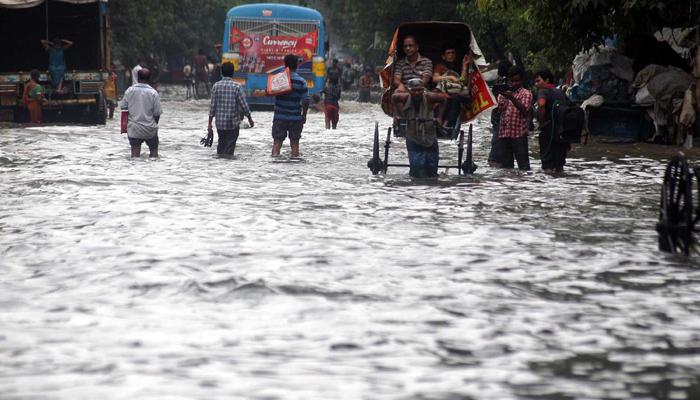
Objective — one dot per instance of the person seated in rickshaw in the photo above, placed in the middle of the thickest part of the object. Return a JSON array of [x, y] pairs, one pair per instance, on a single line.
[[416, 107], [414, 65], [447, 79]]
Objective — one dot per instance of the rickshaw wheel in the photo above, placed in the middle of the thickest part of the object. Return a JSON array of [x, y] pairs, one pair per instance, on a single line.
[[375, 164], [676, 219]]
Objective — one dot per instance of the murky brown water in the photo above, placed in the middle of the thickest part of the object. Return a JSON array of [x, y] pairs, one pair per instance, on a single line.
[[194, 277]]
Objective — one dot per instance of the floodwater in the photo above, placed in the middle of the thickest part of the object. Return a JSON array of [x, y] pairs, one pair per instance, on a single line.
[[192, 277]]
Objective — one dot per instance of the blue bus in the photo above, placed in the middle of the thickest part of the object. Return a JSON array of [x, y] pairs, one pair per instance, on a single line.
[[258, 36]]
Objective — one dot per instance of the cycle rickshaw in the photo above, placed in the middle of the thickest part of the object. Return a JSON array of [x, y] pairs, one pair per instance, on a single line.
[[432, 38]]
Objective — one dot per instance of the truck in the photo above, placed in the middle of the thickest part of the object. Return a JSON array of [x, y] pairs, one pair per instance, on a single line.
[[23, 25]]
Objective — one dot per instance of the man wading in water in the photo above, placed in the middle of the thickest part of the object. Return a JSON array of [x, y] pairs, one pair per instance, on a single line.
[[552, 152], [290, 111], [143, 104], [416, 107], [515, 118], [226, 100]]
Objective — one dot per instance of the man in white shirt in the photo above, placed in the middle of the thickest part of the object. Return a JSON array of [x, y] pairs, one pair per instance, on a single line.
[[143, 104], [140, 64]]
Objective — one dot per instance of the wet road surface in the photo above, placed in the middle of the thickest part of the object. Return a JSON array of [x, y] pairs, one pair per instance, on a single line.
[[196, 277]]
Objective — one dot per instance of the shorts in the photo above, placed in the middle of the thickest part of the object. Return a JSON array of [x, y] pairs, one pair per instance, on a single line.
[[152, 143], [281, 129]]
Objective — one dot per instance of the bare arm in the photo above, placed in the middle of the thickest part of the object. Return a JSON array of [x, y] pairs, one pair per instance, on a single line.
[[398, 84], [426, 78], [305, 109], [436, 77], [67, 43], [45, 43], [465, 65]]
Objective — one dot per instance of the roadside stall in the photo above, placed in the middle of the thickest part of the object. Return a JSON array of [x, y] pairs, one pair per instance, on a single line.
[[637, 91]]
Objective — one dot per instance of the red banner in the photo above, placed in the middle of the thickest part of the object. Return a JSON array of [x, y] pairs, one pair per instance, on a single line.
[[482, 99], [264, 53]]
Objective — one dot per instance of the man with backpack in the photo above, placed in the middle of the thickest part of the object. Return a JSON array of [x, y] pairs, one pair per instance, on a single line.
[[552, 149]]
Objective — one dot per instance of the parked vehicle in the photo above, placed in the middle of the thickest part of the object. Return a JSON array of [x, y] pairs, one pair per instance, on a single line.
[[24, 24]]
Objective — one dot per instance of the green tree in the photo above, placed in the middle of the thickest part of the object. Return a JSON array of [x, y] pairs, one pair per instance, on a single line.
[[166, 27], [551, 32]]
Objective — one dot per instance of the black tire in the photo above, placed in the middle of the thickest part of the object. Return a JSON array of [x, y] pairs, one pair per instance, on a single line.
[[98, 113], [676, 219]]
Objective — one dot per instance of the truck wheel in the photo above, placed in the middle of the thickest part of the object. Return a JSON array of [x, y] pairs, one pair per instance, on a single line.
[[100, 111]]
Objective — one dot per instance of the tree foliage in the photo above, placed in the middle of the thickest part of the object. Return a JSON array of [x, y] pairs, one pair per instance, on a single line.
[[555, 30], [535, 32], [367, 27], [166, 27]]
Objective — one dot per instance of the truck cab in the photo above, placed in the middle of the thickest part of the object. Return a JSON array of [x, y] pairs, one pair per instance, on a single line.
[[23, 25]]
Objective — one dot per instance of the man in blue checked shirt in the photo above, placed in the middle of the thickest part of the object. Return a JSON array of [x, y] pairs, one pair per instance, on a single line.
[[290, 111], [227, 105]]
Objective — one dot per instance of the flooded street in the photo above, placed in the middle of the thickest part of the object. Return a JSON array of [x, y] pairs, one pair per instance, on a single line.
[[192, 277]]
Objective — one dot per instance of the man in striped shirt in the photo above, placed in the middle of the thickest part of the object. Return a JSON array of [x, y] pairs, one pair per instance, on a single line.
[[290, 111], [227, 105]]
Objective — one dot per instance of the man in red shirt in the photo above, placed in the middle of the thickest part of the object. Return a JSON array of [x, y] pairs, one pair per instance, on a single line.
[[515, 105]]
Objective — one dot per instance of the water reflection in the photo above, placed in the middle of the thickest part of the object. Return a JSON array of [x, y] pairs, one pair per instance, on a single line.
[[197, 277]]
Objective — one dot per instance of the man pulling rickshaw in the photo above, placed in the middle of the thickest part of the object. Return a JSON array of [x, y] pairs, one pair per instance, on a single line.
[[420, 103]]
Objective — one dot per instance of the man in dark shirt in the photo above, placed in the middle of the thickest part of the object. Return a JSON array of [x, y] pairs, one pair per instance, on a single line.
[[503, 68], [290, 111], [552, 152], [333, 70]]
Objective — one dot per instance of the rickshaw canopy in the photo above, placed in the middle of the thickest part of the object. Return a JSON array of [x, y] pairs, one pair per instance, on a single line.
[[432, 38]]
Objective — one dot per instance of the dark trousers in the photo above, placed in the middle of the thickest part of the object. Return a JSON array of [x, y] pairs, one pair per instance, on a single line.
[[508, 148], [453, 107], [423, 161], [552, 152], [364, 95], [227, 142], [494, 142]]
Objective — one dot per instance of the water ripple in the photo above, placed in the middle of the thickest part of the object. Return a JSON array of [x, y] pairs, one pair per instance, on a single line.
[[197, 277]]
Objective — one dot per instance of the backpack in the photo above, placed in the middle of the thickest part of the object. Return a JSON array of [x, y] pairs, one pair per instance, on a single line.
[[568, 119]]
